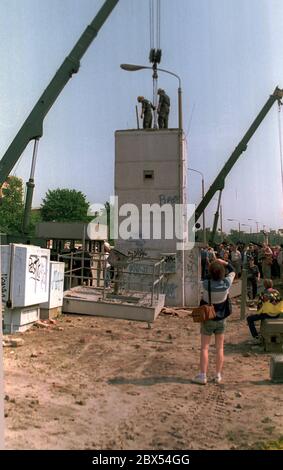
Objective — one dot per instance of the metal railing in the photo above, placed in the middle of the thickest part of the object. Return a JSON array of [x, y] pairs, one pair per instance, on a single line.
[[83, 270], [141, 274], [145, 274]]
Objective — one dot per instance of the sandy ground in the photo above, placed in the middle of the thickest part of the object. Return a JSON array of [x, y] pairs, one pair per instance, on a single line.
[[97, 383]]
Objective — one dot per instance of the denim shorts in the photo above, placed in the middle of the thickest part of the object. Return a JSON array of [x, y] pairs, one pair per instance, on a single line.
[[211, 327]]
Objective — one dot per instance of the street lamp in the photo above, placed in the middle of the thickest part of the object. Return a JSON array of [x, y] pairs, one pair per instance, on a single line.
[[135, 68], [247, 225], [253, 220], [239, 226], [265, 231], [202, 195]]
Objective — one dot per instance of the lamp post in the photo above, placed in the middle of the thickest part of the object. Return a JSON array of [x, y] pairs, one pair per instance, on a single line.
[[265, 233], [247, 225], [253, 220], [239, 224], [202, 195], [135, 68]]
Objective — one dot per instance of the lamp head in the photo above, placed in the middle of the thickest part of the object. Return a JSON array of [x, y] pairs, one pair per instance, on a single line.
[[132, 67]]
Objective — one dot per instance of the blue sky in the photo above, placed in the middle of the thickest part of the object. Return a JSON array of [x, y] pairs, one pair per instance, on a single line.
[[228, 54]]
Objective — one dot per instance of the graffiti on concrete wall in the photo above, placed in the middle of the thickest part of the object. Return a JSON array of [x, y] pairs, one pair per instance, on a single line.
[[168, 199], [138, 268], [34, 267], [4, 286], [137, 253], [37, 269], [170, 290], [169, 264], [192, 274], [192, 264], [138, 249], [57, 281]]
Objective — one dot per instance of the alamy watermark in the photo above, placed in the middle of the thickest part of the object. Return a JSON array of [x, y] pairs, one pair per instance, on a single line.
[[147, 222]]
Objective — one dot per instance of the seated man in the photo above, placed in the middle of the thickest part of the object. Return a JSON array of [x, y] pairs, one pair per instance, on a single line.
[[270, 305]]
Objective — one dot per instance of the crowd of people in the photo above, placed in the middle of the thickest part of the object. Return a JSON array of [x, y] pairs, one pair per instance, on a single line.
[[261, 261]]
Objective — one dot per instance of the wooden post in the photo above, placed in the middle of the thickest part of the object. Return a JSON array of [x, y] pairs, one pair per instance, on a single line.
[[243, 294]]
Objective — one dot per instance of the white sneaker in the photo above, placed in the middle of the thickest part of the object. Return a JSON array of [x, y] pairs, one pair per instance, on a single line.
[[199, 379], [217, 379]]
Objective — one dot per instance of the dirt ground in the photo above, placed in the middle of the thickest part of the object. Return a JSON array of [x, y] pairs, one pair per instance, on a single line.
[[98, 383]]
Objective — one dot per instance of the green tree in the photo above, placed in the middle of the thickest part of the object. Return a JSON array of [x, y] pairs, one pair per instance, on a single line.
[[35, 218], [11, 205], [64, 205]]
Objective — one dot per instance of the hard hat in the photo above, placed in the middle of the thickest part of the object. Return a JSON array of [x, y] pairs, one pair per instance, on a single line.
[[140, 98]]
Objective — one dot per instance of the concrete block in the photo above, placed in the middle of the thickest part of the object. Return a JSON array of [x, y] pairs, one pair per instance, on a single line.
[[13, 342], [276, 368], [156, 154], [56, 286], [272, 333], [24, 274], [48, 313], [19, 319], [135, 306]]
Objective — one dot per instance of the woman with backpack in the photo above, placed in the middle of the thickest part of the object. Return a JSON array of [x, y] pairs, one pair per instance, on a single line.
[[215, 291]]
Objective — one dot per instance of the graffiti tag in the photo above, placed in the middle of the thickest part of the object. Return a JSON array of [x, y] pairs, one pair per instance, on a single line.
[[4, 285]]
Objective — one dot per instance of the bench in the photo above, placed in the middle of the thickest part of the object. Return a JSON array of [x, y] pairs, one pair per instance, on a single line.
[[271, 331]]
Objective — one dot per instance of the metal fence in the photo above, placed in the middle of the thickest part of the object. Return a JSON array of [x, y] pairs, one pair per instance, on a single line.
[[83, 268], [93, 269], [143, 275]]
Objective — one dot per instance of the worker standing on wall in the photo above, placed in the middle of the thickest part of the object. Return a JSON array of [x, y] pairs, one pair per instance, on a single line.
[[163, 109], [146, 113]]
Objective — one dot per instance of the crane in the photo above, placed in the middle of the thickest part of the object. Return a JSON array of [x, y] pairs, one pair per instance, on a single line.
[[32, 128], [219, 182]]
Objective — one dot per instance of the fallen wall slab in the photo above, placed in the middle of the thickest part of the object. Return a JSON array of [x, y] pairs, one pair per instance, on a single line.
[[133, 306]]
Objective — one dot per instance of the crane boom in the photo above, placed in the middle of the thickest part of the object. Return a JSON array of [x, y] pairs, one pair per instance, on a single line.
[[219, 182], [33, 125]]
